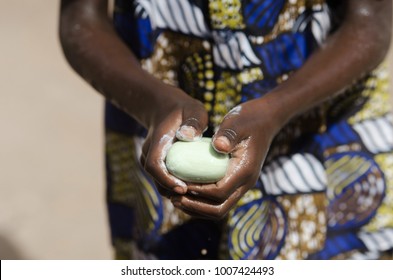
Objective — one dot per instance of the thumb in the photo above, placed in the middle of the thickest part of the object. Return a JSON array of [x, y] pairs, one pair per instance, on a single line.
[[226, 138], [195, 120]]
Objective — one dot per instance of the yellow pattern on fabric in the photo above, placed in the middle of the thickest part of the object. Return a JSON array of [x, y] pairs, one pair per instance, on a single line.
[[228, 91], [378, 104], [121, 158], [197, 75], [353, 147], [240, 232], [343, 173], [145, 204], [286, 20], [129, 184], [377, 90], [250, 75], [384, 215], [150, 198], [353, 181], [226, 14], [169, 52], [249, 196], [247, 224], [227, 96], [123, 249]]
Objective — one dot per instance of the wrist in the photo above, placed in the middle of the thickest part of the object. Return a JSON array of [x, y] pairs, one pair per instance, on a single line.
[[273, 112], [147, 99], [156, 100]]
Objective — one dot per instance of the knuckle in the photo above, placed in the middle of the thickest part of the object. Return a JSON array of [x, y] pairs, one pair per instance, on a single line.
[[221, 196], [249, 173], [219, 213], [230, 133], [198, 105]]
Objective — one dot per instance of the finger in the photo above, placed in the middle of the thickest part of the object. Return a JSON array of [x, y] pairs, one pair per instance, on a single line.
[[195, 120], [242, 169], [145, 148], [177, 205], [228, 135], [155, 163], [162, 191], [196, 215], [205, 208]]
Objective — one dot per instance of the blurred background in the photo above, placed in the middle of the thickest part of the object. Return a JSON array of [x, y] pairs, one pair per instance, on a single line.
[[52, 196]]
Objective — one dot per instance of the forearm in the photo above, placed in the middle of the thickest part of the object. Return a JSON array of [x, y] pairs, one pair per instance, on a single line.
[[94, 50], [356, 48]]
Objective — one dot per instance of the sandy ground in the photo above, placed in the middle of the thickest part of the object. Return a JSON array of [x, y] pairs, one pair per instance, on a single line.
[[51, 161], [51, 184]]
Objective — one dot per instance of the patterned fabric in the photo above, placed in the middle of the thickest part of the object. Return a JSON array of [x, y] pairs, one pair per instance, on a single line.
[[326, 189]]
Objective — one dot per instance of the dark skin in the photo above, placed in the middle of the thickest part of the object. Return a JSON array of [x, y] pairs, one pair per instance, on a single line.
[[95, 51]]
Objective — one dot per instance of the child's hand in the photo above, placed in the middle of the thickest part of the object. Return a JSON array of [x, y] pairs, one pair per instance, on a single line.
[[176, 115], [246, 133]]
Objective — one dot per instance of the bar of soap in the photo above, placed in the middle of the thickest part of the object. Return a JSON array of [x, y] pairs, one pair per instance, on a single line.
[[196, 161]]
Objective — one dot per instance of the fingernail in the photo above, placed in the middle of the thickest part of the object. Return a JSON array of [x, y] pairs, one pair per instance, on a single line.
[[221, 144], [224, 140], [186, 133]]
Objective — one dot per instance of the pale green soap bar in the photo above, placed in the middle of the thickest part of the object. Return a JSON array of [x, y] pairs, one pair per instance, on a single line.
[[196, 161]]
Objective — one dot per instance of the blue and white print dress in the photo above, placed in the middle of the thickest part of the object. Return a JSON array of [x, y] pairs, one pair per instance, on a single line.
[[326, 188]]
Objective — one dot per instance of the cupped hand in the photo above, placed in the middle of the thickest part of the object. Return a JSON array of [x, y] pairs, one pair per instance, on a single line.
[[175, 115], [246, 134]]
